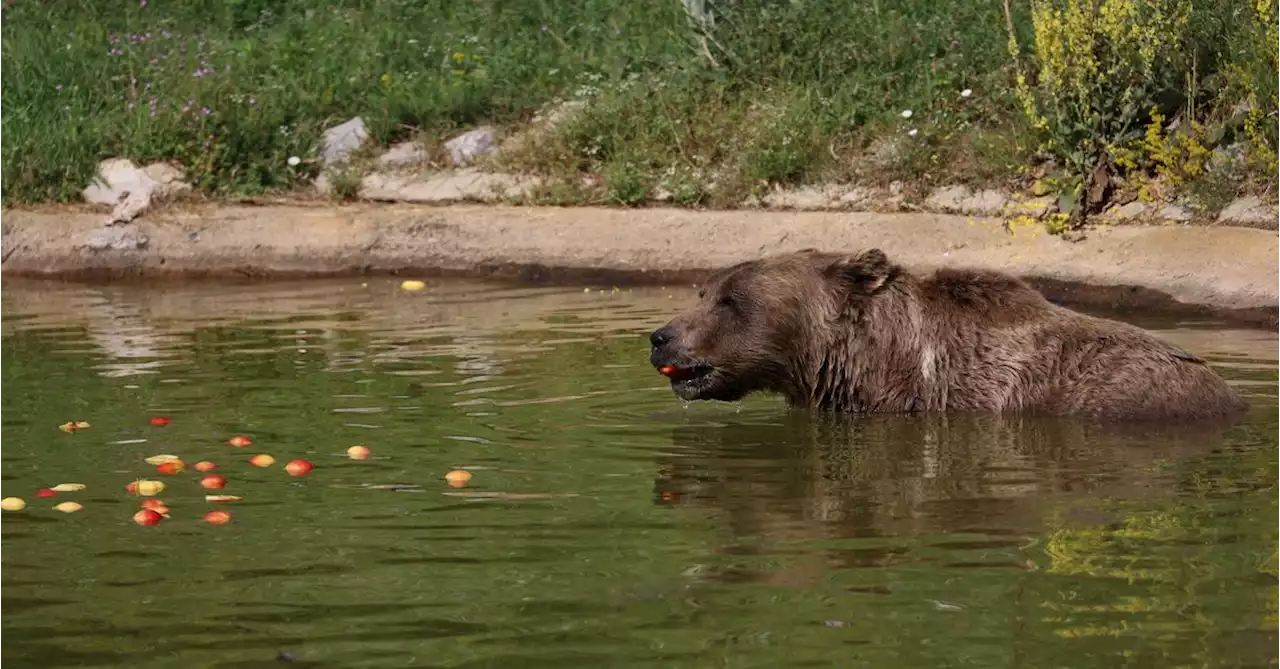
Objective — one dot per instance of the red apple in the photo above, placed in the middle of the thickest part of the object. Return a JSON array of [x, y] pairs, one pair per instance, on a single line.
[[159, 421], [214, 482], [218, 517], [147, 517], [298, 468]]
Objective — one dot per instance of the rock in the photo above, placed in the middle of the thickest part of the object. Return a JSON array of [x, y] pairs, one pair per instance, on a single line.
[[167, 179], [403, 155], [1250, 211], [444, 187], [341, 140], [962, 200], [1133, 210], [116, 176], [131, 207], [1036, 207], [130, 190], [1173, 212], [855, 198], [468, 147], [807, 198], [116, 239]]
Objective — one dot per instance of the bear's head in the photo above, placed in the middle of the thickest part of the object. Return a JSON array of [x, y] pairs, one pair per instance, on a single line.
[[756, 322]]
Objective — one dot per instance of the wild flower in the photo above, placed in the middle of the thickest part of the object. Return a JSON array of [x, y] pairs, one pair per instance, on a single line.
[[966, 92], [906, 113], [293, 161]]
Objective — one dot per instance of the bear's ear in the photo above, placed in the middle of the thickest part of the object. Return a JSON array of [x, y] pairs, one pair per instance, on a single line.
[[861, 273]]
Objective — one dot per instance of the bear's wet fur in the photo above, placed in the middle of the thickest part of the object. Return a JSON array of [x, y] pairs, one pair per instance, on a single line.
[[858, 333]]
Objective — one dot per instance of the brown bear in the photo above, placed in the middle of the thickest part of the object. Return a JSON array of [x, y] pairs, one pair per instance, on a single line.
[[858, 333]]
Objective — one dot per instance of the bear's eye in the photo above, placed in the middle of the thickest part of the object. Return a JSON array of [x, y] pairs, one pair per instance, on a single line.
[[726, 300], [702, 293]]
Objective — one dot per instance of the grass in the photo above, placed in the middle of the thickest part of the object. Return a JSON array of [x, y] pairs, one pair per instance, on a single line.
[[779, 93]]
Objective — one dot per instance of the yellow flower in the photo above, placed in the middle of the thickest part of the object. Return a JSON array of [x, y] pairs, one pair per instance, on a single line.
[[386, 79], [458, 56]]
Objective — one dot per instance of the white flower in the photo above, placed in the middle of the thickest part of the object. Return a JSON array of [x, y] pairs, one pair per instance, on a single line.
[[293, 161], [906, 113], [912, 132], [966, 92]]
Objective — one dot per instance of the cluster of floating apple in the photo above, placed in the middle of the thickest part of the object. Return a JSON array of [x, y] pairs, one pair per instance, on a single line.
[[153, 510]]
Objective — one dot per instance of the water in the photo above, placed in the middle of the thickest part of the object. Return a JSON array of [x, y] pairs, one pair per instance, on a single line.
[[606, 524]]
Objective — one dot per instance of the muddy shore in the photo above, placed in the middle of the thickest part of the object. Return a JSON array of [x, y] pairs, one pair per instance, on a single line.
[[1225, 272]]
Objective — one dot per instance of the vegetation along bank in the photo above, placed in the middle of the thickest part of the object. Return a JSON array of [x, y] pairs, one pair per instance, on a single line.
[[1090, 106]]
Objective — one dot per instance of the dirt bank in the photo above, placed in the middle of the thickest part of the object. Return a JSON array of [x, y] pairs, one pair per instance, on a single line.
[[1224, 271]]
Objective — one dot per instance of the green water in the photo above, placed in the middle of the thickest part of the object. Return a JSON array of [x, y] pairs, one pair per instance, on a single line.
[[606, 523]]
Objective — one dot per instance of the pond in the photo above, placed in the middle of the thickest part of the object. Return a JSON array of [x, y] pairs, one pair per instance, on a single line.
[[605, 523]]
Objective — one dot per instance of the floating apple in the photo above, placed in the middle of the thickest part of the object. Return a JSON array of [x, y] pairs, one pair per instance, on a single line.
[[204, 466], [68, 507], [221, 498], [262, 460], [458, 477], [68, 487], [171, 467], [151, 503], [46, 493], [147, 488], [218, 517], [147, 517], [12, 504], [213, 482], [240, 441], [298, 468], [359, 452], [159, 421]]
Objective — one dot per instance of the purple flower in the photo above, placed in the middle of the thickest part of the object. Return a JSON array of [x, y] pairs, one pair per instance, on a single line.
[[142, 3], [252, 101], [116, 52], [205, 111]]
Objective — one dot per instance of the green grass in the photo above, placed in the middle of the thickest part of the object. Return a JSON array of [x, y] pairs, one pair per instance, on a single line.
[[801, 92]]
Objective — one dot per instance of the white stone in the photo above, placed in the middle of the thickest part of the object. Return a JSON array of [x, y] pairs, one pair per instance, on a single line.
[[404, 154], [130, 190], [454, 186], [960, 199], [341, 140], [470, 146], [1250, 210]]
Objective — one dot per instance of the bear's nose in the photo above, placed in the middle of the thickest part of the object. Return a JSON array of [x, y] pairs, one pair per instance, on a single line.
[[660, 337]]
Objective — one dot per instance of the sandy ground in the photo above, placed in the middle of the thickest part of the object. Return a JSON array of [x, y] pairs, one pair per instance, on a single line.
[[1222, 271]]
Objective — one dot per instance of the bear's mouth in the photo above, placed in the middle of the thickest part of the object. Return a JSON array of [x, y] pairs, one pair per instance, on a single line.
[[689, 382]]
